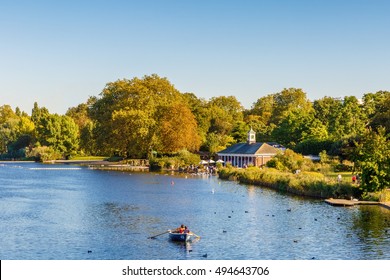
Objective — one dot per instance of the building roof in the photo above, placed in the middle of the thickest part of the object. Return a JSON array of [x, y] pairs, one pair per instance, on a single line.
[[250, 149]]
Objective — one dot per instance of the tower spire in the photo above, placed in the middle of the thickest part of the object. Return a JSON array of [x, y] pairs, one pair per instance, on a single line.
[[251, 137]]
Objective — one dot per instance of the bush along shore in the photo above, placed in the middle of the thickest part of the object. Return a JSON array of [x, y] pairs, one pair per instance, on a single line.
[[310, 184]]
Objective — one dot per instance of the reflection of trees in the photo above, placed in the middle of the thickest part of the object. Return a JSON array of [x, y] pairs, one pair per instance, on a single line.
[[371, 223]]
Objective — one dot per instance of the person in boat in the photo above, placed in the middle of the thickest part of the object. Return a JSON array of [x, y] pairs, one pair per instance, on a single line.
[[179, 229], [186, 230]]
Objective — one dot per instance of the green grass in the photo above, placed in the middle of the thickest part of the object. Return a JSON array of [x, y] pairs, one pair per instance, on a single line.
[[346, 176]]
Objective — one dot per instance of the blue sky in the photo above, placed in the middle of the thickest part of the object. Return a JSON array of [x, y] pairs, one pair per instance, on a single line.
[[59, 53]]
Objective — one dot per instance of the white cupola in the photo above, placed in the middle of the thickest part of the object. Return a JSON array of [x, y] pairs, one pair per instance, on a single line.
[[251, 137]]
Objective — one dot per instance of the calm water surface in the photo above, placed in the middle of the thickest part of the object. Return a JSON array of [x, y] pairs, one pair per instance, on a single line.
[[48, 212]]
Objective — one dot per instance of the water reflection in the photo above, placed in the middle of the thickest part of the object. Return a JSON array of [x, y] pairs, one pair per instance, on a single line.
[[90, 214], [371, 222]]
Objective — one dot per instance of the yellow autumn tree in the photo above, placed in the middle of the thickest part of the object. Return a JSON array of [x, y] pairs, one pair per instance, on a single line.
[[177, 129]]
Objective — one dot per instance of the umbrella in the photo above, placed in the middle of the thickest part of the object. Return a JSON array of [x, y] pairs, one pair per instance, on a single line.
[[220, 161], [211, 161], [203, 162]]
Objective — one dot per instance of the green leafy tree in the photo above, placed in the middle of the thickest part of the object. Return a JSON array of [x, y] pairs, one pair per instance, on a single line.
[[326, 111], [377, 107], [351, 119], [280, 114], [263, 131], [264, 109], [201, 111], [287, 101], [131, 132], [240, 131], [293, 127], [372, 159], [287, 161], [80, 115], [217, 142], [57, 132], [8, 124], [225, 112], [15, 129], [128, 109]]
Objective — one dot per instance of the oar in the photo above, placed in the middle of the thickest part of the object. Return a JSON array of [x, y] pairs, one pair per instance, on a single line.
[[197, 236], [152, 237]]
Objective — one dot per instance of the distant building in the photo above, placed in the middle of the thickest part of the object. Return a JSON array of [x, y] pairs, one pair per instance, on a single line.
[[249, 153]]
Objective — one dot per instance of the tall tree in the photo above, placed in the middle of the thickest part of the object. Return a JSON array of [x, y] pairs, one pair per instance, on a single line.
[[225, 112], [293, 127], [130, 107], [287, 101], [132, 132], [351, 119], [200, 108], [13, 126], [372, 159], [177, 129], [377, 106], [264, 108], [326, 111], [80, 115], [55, 131]]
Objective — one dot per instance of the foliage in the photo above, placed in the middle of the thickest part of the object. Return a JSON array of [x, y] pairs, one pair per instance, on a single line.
[[58, 132], [16, 131], [80, 115], [377, 107], [240, 131], [200, 109], [43, 153], [311, 184], [314, 146], [183, 158], [288, 161], [133, 117], [217, 142], [177, 129], [295, 124], [372, 159]]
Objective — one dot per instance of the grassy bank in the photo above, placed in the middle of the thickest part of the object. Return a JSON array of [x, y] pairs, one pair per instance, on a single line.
[[311, 184]]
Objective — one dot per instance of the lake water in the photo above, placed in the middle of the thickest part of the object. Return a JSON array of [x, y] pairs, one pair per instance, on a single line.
[[68, 212]]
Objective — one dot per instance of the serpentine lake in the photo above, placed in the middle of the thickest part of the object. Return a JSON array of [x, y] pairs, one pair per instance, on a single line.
[[66, 212]]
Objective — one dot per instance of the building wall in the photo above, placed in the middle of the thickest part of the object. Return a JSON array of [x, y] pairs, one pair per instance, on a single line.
[[260, 161], [241, 161]]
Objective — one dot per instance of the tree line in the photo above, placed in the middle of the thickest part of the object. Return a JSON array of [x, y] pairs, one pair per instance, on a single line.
[[148, 116]]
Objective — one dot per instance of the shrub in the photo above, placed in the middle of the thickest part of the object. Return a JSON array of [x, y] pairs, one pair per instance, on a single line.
[[289, 161], [43, 153], [312, 184], [181, 159]]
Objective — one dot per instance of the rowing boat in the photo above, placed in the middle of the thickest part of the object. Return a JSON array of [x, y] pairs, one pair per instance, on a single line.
[[175, 236]]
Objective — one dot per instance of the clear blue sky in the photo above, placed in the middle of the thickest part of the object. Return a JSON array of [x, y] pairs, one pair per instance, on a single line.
[[59, 53]]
